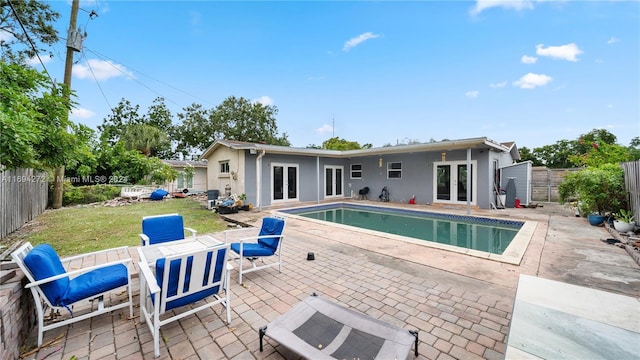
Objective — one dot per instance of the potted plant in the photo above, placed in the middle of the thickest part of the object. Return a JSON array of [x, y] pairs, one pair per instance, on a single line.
[[623, 221], [598, 190]]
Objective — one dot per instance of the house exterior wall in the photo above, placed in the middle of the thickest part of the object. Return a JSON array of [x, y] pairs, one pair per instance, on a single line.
[[235, 178], [418, 175], [199, 180]]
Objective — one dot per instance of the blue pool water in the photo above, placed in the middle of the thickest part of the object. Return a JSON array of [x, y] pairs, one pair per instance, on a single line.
[[483, 234]]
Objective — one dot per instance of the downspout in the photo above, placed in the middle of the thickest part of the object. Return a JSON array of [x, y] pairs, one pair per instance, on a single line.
[[318, 179], [469, 180], [259, 179]]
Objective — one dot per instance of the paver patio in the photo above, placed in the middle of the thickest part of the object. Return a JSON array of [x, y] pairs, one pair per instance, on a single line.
[[461, 305]]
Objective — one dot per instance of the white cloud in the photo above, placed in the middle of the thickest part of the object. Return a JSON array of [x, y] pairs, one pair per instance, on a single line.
[[564, 52], [472, 94], [100, 69], [6, 36], [326, 128], [531, 81], [264, 100], [353, 42], [498, 85], [525, 59], [35, 61], [613, 40], [81, 113], [518, 5]]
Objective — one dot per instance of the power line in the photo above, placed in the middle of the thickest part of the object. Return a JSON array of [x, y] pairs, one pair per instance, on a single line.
[[97, 83], [33, 47], [111, 61]]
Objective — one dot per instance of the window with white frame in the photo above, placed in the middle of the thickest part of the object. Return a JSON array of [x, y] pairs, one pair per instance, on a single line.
[[394, 170], [224, 168], [356, 171]]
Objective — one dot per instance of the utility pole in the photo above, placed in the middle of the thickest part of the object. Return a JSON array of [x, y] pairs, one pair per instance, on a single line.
[[74, 43]]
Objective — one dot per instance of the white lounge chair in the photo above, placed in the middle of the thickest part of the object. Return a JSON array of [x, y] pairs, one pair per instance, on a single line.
[[54, 286]]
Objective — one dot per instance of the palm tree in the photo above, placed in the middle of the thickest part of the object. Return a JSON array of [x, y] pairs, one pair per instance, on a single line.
[[144, 138]]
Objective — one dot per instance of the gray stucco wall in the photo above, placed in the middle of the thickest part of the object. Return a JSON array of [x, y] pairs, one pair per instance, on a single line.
[[417, 175]]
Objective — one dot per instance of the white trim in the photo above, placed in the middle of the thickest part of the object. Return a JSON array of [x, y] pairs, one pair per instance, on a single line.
[[333, 185], [454, 176], [285, 166]]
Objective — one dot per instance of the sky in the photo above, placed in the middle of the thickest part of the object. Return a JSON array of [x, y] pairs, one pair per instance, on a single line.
[[384, 72]]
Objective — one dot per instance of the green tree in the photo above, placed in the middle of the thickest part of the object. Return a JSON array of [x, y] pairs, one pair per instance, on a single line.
[[33, 121], [527, 155], [148, 133], [242, 120], [234, 119], [602, 154], [146, 139], [159, 116], [634, 148], [37, 17], [116, 162], [336, 143], [114, 125], [563, 153], [196, 131], [84, 161]]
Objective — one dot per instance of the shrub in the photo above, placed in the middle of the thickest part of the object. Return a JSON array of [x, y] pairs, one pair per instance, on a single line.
[[597, 189], [74, 195]]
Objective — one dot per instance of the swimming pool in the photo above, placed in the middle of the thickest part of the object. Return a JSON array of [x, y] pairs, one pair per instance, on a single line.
[[498, 239]]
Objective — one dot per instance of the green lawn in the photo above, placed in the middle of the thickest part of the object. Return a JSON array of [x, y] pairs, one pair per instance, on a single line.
[[78, 230]]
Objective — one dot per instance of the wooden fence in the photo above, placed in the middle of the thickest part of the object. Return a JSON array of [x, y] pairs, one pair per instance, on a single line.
[[632, 184], [545, 181], [23, 196]]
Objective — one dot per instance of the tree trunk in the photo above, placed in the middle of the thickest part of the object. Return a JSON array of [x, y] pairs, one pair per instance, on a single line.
[[58, 187]]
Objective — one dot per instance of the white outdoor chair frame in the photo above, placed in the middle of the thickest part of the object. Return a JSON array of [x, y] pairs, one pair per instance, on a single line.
[[252, 260], [151, 314], [42, 302]]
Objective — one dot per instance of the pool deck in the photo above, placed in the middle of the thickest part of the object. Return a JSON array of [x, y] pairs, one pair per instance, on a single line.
[[463, 306]]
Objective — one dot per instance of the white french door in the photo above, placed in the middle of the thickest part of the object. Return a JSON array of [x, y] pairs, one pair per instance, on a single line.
[[333, 182], [284, 182], [450, 179]]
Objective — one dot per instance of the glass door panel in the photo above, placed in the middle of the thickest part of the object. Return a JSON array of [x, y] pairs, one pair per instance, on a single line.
[[278, 183], [292, 182], [443, 182]]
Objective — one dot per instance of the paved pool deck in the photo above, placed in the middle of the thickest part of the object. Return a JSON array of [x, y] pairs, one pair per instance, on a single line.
[[463, 306]]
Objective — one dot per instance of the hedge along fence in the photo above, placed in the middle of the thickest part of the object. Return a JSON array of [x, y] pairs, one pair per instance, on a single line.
[[23, 196]]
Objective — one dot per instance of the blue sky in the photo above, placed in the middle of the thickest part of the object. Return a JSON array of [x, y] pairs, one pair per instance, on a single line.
[[533, 72]]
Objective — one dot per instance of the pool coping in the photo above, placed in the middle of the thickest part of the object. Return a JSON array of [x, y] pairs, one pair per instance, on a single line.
[[513, 254]]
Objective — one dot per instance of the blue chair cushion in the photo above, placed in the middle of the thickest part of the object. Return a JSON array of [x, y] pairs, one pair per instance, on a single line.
[[253, 249], [174, 275], [44, 262], [163, 228], [271, 226], [95, 282]]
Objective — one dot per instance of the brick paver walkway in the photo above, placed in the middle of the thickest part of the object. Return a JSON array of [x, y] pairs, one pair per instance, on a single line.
[[459, 314]]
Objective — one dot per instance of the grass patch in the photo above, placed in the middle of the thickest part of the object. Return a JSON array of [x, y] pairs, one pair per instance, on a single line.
[[78, 230]]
